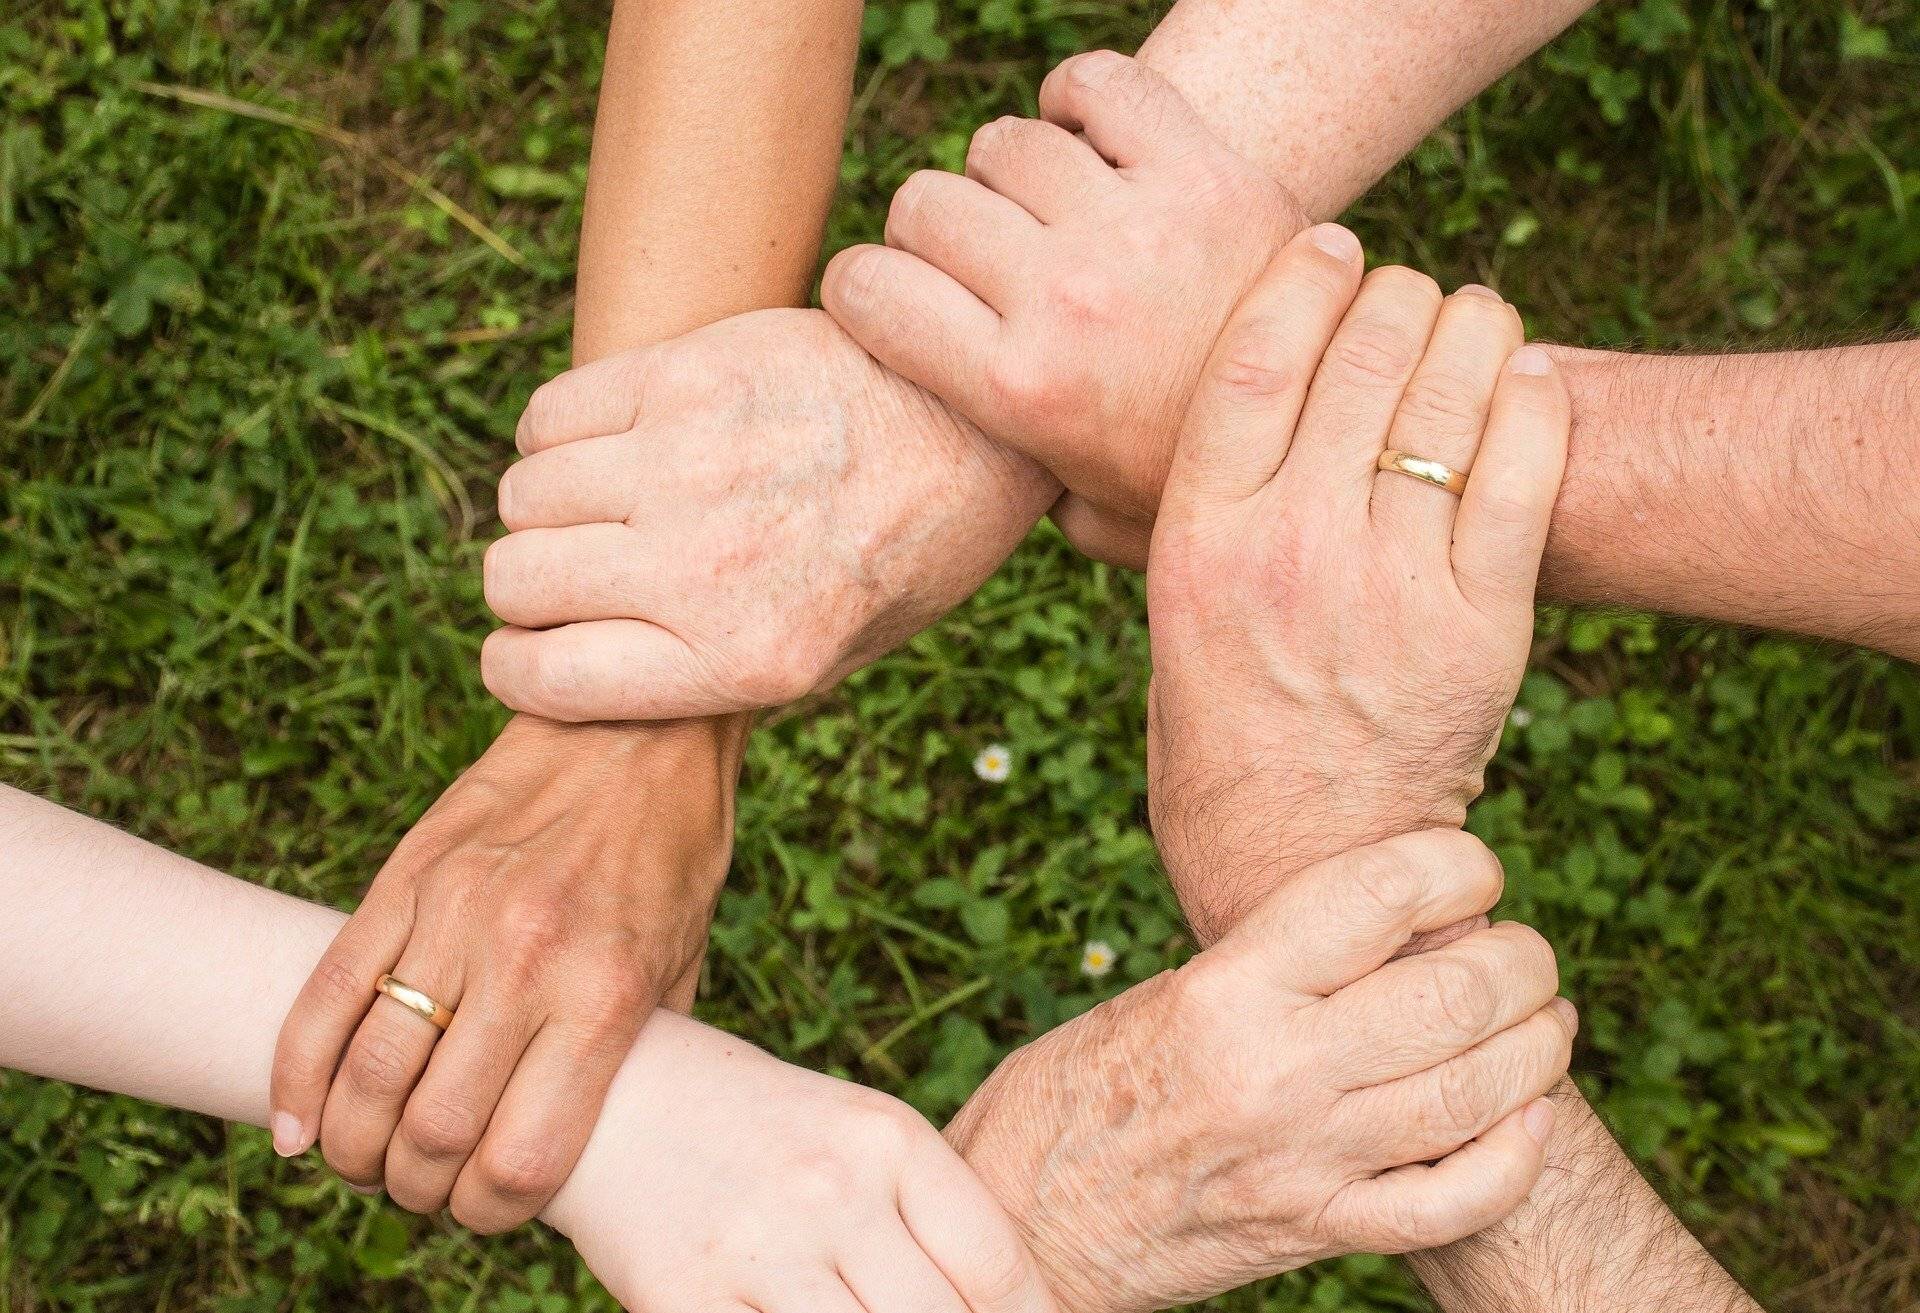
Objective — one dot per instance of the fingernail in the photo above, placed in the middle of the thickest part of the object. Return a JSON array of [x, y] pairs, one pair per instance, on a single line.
[[1568, 1013], [1530, 360], [1477, 289], [289, 1136], [1538, 1120], [1336, 241], [367, 1191]]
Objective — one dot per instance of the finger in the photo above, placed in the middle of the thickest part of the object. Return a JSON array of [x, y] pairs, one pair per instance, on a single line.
[[1343, 918], [1421, 1207], [382, 1065], [1040, 167], [594, 480], [589, 402], [542, 1122], [448, 1113], [1129, 113], [327, 1012], [541, 578], [789, 1292], [1429, 1115], [916, 320], [1500, 532], [1418, 1012], [604, 670], [1358, 389], [972, 234], [964, 1231], [1443, 414], [1255, 383], [1100, 534], [890, 1271]]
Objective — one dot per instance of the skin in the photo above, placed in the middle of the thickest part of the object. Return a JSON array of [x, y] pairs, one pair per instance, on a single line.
[[716, 1177], [1257, 1111], [1362, 82], [714, 161], [1746, 489], [1303, 607], [1335, 649]]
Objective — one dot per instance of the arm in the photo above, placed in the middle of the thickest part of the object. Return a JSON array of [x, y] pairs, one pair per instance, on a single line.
[[552, 934], [1593, 1237], [128, 968], [1326, 97], [1767, 489], [889, 509]]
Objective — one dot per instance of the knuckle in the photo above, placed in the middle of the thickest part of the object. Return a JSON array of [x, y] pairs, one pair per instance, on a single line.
[[1373, 352], [1257, 361], [1385, 880], [1096, 69], [519, 1169], [1462, 996], [1444, 399], [530, 930], [379, 1067], [910, 202], [994, 141], [1460, 1099], [441, 1130], [339, 986], [540, 421]]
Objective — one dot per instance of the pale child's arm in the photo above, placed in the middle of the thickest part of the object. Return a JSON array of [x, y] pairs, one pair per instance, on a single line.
[[130, 969]]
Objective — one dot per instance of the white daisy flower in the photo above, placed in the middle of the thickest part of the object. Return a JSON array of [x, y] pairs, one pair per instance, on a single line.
[[1096, 959], [1521, 718], [993, 764]]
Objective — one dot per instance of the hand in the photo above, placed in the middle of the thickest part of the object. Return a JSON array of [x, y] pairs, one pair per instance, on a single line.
[[733, 520], [720, 1179], [550, 897], [1065, 293], [1335, 648], [1289, 1094]]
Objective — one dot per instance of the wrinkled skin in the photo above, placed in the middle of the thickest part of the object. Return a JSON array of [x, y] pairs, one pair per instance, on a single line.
[[1065, 293], [1336, 647], [551, 940], [733, 520], [1279, 1099]]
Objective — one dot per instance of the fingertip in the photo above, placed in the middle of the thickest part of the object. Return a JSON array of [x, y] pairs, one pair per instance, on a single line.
[[1530, 362], [1335, 240], [1536, 1119], [1569, 1016], [291, 1135]]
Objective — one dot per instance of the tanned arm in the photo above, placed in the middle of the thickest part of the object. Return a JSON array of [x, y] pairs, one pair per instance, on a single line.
[[594, 853]]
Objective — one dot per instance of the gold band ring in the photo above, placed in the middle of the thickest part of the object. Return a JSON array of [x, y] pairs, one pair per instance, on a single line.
[[1427, 471], [414, 1001]]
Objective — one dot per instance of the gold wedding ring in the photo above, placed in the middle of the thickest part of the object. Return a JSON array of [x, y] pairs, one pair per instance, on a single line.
[[1427, 471], [414, 1001]]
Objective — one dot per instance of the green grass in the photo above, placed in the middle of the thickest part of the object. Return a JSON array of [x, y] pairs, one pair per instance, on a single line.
[[255, 386]]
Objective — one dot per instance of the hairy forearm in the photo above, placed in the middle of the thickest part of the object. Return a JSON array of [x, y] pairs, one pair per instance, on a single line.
[[1593, 1237], [1765, 489], [1327, 95]]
